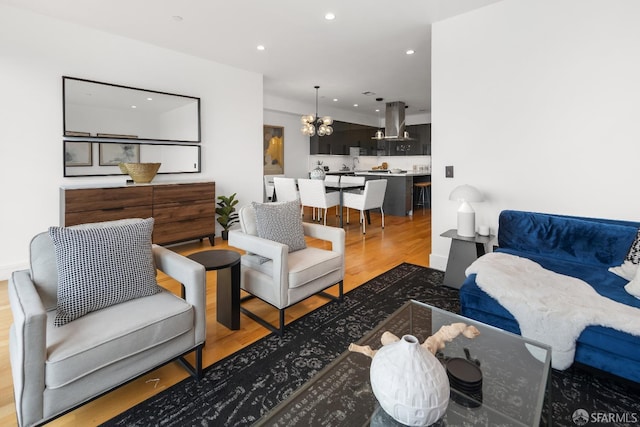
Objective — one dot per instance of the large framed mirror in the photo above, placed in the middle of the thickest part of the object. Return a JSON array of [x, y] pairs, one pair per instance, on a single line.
[[95, 158], [109, 111]]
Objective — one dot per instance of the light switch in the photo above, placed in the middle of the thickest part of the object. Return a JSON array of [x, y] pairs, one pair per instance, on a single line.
[[448, 171]]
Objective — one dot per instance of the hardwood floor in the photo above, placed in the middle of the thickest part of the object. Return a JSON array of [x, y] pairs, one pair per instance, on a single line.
[[404, 239]]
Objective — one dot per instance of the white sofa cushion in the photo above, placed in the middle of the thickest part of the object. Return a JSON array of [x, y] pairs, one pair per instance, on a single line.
[[101, 266], [106, 336], [305, 265]]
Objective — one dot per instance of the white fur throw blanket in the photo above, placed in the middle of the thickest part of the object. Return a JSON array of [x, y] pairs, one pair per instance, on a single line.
[[551, 308]]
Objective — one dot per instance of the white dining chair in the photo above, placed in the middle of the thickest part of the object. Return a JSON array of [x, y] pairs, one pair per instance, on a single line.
[[313, 194], [332, 179], [269, 188], [371, 198], [285, 189], [351, 179]]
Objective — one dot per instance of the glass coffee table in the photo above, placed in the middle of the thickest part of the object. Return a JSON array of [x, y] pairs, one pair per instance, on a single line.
[[515, 378]]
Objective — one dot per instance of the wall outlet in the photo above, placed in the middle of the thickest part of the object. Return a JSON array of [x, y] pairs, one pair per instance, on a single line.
[[448, 171]]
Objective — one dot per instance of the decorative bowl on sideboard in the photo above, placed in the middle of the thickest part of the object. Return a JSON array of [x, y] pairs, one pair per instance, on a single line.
[[141, 173]]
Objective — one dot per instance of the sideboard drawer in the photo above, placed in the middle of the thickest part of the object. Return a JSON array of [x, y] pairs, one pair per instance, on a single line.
[[171, 232], [180, 193], [74, 218], [91, 199], [177, 212]]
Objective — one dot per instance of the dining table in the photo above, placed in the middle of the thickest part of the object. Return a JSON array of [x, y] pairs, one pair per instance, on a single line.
[[341, 187]]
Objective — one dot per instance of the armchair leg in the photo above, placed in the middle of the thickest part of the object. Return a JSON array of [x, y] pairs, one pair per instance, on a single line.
[[278, 330], [195, 371], [340, 296]]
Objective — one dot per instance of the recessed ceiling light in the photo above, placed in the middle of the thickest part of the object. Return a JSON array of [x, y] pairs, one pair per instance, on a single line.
[[149, 99], [410, 52], [133, 106], [330, 16], [335, 99], [260, 47], [355, 105], [377, 110]]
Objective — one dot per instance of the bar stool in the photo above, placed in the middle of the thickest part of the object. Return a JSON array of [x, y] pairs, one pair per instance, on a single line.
[[424, 196]]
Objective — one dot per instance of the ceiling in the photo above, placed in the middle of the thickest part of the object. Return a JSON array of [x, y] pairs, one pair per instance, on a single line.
[[363, 50]]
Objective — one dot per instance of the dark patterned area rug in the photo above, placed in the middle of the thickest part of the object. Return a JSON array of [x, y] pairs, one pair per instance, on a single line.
[[238, 390]]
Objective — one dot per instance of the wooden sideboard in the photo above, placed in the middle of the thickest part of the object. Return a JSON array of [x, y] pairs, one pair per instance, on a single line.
[[182, 211]]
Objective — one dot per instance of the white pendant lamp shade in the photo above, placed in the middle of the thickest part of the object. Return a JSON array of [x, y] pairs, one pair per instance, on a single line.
[[466, 214]]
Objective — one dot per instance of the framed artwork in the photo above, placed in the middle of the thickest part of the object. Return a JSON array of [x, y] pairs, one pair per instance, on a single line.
[[273, 149], [112, 154], [75, 133], [78, 153], [115, 135]]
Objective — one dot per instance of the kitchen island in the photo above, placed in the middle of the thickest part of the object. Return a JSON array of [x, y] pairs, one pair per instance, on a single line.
[[398, 199]]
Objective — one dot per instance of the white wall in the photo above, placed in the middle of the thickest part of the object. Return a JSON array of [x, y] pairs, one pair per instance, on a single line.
[[536, 103], [36, 51]]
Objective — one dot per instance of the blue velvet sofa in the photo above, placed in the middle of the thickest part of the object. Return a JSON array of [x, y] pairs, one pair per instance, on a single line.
[[580, 247]]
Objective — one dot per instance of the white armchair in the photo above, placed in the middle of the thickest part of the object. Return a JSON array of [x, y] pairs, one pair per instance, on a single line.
[[58, 368], [287, 277]]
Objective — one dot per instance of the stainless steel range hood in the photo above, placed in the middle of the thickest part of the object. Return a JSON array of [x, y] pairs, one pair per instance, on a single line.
[[394, 123]]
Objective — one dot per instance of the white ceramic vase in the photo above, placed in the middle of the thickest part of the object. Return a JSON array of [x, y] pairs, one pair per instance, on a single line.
[[409, 382], [317, 173]]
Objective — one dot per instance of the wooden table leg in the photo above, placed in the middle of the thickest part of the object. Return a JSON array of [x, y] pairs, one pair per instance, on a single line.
[[228, 297]]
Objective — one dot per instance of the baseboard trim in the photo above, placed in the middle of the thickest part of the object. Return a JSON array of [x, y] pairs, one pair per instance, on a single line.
[[438, 262], [6, 270]]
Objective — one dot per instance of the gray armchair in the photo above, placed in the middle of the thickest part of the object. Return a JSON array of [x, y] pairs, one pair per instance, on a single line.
[[287, 277], [58, 368]]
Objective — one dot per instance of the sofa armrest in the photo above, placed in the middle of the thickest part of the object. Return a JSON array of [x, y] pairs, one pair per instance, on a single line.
[[27, 346], [193, 276], [335, 235], [277, 252]]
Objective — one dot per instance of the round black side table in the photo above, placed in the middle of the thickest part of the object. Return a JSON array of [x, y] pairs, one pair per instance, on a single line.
[[227, 264]]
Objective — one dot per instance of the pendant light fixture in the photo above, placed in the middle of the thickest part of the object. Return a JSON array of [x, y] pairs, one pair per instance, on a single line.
[[314, 124]]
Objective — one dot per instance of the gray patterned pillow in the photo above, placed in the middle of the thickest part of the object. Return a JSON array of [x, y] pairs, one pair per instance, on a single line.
[[102, 266], [282, 223]]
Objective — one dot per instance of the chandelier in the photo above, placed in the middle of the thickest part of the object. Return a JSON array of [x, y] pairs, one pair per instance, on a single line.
[[314, 124]]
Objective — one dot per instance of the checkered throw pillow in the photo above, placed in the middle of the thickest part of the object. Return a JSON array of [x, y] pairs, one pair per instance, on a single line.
[[102, 266]]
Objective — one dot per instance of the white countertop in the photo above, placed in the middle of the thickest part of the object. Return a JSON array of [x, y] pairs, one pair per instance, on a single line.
[[382, 173]]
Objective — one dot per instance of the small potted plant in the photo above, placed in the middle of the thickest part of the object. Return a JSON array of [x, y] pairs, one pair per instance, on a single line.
[[227, 215]]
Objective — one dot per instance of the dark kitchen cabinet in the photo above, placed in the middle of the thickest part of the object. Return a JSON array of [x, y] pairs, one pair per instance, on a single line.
[[418, 145], [347, 135]]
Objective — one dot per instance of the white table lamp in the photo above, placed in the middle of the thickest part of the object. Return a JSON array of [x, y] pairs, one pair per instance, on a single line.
[[466, 214]]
